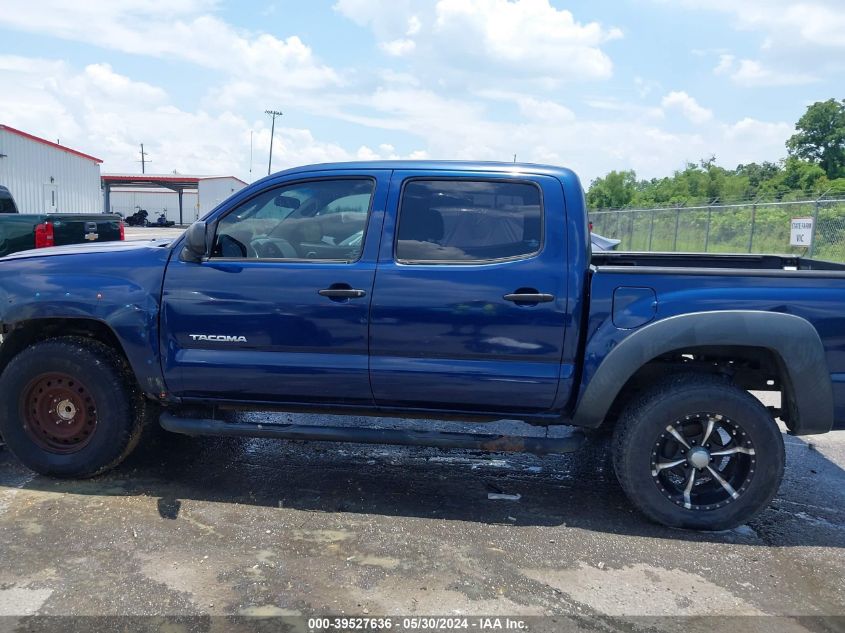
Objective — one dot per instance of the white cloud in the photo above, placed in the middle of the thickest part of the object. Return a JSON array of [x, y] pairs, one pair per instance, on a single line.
[[399, 47], [414, 25], [752, 72], [525, 38], [177, 30], [749, 129], [819, 23], [725, 65], [544, 110], [531, 108], [626, 108], [801, 40], [393, 22], [434, 102], [108, 114], [752, 140], [548, 132], [688, 106], [645, 87], [388, 19], [98, 110], [100, 80], [528, 33]]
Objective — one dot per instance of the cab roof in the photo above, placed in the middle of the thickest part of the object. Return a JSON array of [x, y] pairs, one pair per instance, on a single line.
[[439, 165]]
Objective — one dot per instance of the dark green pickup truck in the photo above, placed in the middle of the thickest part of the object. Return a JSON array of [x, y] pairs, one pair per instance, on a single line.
[[21, 232]]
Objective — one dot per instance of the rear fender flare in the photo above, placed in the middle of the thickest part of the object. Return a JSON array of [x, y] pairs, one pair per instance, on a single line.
[[792, 339]]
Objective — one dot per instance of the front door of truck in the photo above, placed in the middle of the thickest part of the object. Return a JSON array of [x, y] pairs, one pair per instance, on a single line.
[[279, 311], [470, 301]]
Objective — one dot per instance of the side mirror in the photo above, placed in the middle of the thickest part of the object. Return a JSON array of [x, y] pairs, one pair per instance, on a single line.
[[194, 249]]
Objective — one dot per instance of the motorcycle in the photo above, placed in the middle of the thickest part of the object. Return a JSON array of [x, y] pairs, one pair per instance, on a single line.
[[139, 218], [163, 221]]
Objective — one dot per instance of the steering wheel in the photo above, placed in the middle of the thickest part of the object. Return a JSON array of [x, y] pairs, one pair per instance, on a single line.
[[269, 250], [277, 248], [228, 246]]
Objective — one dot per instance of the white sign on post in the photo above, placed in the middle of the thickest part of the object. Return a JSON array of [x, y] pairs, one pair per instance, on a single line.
[[801, 232]]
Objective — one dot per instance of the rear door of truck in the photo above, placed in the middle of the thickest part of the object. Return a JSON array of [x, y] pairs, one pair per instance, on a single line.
[[470, 299]]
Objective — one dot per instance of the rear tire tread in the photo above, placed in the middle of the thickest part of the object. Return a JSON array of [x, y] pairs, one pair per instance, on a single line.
[[678, 387]]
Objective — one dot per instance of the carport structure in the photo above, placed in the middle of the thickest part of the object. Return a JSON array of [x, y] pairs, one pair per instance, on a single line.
[[174, 182]]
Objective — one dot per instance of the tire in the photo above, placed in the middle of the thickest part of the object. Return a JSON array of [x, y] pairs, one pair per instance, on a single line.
[[744, 448], [69, 407]]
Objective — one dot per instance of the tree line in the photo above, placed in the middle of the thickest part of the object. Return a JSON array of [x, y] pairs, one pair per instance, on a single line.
[[815, 166]]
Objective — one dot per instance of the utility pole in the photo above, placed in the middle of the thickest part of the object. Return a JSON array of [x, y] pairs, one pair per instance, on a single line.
[[273, 114], [143, 160], [250, 155]]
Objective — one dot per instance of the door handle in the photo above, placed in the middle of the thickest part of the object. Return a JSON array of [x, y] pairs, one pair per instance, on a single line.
[[342, 293], [529, 297]]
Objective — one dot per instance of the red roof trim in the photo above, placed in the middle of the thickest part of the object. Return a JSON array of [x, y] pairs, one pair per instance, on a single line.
[[44, 141], [149, 179]]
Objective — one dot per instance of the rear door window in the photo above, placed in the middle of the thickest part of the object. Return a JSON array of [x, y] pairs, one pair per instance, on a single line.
[[468, 221]]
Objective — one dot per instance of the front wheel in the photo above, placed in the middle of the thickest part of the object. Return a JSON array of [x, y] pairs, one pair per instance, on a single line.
[[68, 407], [697, 452]]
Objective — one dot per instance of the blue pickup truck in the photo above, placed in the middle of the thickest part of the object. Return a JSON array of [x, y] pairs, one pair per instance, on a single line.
[[435, 290]]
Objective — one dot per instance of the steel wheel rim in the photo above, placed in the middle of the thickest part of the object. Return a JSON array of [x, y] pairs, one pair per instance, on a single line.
[[703, 461], [59, 412]]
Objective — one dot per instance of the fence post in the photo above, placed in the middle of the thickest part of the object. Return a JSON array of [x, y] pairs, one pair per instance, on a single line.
[[815, 227], [677, 222], [753, 220], [651, 230], [707, 232]]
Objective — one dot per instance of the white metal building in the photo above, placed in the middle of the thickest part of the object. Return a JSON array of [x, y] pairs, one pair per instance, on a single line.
[[157, 193], [212, 190], [154, 201], [45, 177]]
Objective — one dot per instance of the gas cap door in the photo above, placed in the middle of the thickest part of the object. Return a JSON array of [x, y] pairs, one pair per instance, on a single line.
[[633, 306]]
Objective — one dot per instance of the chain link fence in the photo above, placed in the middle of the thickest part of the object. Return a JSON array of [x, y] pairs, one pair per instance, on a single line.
[[750, 227]]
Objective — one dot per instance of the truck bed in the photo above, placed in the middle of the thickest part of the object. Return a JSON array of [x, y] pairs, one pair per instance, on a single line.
[[740, 263]]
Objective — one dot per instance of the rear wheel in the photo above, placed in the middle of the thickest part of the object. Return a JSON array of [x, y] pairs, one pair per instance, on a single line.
[[68, 407], [697, 452]]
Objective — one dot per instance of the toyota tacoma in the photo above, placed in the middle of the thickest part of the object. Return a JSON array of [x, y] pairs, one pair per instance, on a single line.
[[434, 290]]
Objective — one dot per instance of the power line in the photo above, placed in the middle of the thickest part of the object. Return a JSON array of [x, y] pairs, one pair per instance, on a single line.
[[273, 114]]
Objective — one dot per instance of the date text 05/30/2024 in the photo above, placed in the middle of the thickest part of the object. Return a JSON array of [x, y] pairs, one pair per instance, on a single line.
[[477, 623]]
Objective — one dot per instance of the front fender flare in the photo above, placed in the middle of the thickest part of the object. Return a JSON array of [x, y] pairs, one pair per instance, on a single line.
[[792, 339]]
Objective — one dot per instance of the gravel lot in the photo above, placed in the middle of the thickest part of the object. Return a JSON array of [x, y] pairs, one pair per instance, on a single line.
[[256, 527], [151, 232]]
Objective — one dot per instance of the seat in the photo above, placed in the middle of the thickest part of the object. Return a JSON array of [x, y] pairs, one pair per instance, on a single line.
[[419, 222]]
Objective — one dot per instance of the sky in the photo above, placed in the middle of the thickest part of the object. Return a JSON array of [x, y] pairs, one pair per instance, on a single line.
[[647, 85]]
